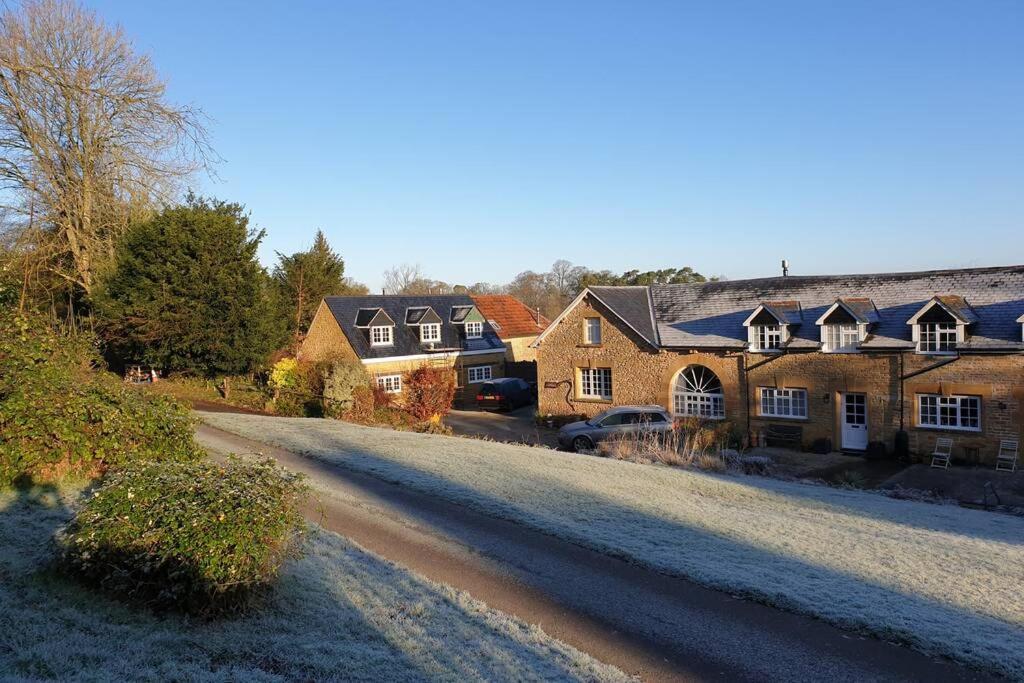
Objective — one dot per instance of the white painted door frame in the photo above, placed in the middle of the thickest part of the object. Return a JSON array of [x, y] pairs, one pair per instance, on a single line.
[[853, 421]]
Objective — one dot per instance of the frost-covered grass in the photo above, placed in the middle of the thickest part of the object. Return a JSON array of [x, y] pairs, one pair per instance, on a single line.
[[944, 579], [338, 614]]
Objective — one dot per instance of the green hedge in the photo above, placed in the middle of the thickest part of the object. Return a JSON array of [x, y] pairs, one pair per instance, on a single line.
[[196, 537], [60, 412]]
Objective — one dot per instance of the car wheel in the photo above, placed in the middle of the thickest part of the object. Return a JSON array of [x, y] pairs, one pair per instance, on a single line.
[[582, 443]]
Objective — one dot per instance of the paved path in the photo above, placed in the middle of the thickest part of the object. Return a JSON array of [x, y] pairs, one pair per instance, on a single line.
[[658, 627], [516, 426]]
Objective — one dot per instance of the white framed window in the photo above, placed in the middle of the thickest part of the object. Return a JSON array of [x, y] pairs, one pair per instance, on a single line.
[[431, 332], [936, 337], [596, 383], [698, 393], [783, 402], [841, 338], [478, 373], [381, 335], [474, 330], [767, 337], [592, 331], [949, 412], [390, 383]]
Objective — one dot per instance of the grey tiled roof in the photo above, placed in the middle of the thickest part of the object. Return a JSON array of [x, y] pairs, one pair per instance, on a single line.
[[347, 309], [633, 305], [711, 314]]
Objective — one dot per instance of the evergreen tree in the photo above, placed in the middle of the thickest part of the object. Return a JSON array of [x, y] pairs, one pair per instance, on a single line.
[[188, 294], [306, 277]]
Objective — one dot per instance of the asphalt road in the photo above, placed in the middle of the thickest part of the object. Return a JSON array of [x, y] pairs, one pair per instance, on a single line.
[[516, 426], [658, 627]]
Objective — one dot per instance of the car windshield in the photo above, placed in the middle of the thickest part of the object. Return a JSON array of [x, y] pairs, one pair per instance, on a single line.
[[596, 420]]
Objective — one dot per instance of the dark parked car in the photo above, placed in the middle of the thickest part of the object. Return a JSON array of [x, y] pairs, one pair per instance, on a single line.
[[506, 393], [618, 421]]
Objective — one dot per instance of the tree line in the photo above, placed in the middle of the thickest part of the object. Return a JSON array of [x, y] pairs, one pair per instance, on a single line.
[[549, 292]]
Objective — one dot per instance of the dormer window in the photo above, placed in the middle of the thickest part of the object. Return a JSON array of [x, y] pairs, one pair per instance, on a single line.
[[770, 325], [1021, 321], [767, 337], [941, 324], [840, 337], [382, 335], [844, 326], [430, 332], [937, 337], [474, 330]]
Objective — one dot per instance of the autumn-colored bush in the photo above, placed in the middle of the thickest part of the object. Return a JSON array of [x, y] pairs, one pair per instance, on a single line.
[[362, 406], [429, 392], [62, 413]]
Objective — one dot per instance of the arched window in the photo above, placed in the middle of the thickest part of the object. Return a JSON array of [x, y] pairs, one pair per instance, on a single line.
[[698, 393]]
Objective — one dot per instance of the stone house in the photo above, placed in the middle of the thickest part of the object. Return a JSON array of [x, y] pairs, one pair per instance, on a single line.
[[393, 335], [514, 322], [853, 359]]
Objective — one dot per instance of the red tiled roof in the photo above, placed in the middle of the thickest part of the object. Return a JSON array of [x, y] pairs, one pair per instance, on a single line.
[[512, 315]]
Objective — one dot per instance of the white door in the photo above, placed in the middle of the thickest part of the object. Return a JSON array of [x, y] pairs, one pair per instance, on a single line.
[[855, 422]]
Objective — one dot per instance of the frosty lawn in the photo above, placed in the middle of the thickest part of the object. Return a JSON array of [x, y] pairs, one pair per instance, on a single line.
[[338, 614], [945, 579]]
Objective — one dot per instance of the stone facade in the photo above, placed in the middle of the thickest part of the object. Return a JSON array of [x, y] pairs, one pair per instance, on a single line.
[[642, 374]]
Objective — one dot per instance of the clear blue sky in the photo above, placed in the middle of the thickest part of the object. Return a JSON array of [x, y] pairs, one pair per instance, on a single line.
[[481, 139]]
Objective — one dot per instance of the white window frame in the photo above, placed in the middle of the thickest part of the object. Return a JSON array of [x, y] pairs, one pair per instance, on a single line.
[[430, 332], [386, 336], [475, 374], [391, 384], [595, 383], [590, 326], [955, 410], [695, 394], [767, 338], [840, 337], [784, 403], [932, 337], [474, 330]]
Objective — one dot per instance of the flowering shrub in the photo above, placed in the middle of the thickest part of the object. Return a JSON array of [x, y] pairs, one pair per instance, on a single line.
[[60, 413], [429, 392], [197, 537], [284, 374]]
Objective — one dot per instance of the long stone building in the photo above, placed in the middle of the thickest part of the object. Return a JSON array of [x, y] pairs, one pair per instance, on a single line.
[[852, 359]]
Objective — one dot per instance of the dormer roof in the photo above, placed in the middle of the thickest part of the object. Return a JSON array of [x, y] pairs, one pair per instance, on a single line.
[[861, 309], [466, 314], [421, 315], [953, 304], [373, 317], [784, 312]]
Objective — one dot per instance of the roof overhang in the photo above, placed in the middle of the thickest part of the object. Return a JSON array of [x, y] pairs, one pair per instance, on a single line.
[[778, 312], [380, 318], [962, 314], [859, 316]]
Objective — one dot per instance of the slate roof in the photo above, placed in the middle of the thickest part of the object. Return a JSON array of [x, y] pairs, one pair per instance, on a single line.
[[514, 318], [346, 310], [633, 305], [711, 314]]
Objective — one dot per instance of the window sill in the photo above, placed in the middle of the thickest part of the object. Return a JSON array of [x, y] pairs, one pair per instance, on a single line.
[[840, 351], [592, 399], [767, 351], [788, 418], [958, 430]]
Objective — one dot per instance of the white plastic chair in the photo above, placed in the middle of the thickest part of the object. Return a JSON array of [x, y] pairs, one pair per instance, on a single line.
[[943, 453], [1006, 461]]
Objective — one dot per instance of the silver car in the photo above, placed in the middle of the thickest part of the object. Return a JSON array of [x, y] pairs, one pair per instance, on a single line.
[[618, 421]]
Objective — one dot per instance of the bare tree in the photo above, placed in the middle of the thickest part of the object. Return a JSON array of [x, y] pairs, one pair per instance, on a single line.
[[87, 137], [401, 279]]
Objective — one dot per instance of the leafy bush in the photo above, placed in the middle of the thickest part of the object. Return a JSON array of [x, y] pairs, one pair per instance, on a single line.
[[284, 375], [340, 380], [60, 414], [362, 407], [197, 537], [429, 392]]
